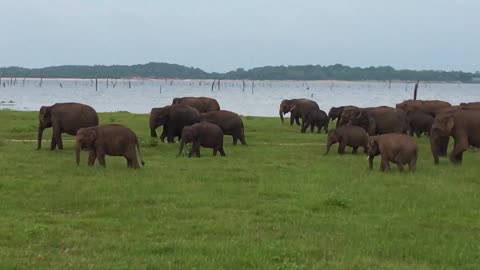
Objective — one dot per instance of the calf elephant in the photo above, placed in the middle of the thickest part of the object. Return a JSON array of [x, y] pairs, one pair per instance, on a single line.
[[379, 120], [317, 118], [336, 112], [64, 118], [203, 134], [229, 122], [400, 149], [298, 109], [352, 136], [463, 126], [112, 140], [420, 122], [173, 118], [202, 104]]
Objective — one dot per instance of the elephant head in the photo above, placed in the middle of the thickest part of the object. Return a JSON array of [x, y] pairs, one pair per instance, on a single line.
[[363, 120], [189, 134], [45, 121], [444, 124], [333, 137], [373, 149], [85, 139], [176, 101], [158, 117], [334, 113], [285, 107], [439, 135]]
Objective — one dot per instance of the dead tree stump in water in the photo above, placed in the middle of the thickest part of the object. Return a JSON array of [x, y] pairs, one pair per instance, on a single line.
[[415, 91]]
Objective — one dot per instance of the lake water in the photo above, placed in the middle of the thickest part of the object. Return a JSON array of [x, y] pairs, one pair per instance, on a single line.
[[139, 96]]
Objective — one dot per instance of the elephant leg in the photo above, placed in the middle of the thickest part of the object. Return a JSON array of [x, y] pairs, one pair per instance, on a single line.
[[214, 151], [412, 165], [57, 133], [312, 127], [92, 155], [460, 146], [297, 120], [400, 166], [195, 149], [242, 140], [305, 125], [341, 147], [443, 145], [235, 140], [384, 163], [292, 119], [164, 134], [129, 162], [101, 158], [354, 151], [222, 153], [53, 143], [171, 134]]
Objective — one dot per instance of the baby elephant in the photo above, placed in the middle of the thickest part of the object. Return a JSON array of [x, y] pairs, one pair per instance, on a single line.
[[202, 134], [112, 140], [317, 118], [393, 147], [352, 136]]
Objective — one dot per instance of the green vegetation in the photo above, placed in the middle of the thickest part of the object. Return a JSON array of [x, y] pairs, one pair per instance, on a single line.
[[306, 72], [277, 203]]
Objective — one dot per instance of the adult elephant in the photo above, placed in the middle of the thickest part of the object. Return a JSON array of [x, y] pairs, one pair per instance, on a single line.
[[64, 118], [438, 141], [463, 126], [380, 120], [470, 105], [336, 112], [202, 104], [298, 109], [427, 106], [229, 122], [173, 118]]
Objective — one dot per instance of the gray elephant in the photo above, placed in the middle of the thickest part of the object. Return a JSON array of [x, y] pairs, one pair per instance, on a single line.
[[112, 140], [400, 149], [317, 118], [463, 126], [203, 134], [298, 109], [351, 136], [229, 122], [336, 112], [64, 118], [420, 122], [173, 118], [202, 104], [380, 120]]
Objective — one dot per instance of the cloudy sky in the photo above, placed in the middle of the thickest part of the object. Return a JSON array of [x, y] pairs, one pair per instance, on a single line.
[[221, 35]]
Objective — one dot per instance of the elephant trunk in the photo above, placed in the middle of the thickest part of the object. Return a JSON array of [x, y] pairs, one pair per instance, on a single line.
[[39, 137], [153, 133], [182, 144], [153, 126], [77, 153], [370, 161], [329, 144], [281, 114]]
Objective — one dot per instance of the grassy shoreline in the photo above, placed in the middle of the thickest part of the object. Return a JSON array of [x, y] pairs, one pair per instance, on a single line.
[[277, 203]]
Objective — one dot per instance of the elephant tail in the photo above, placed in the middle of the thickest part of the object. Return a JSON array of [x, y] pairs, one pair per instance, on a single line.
[[139, 153]]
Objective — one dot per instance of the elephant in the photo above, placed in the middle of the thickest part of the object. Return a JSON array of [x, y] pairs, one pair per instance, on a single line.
[[470, 105], [298, 109], [426, 106], [173, 118], [112, 140], [203, 134], [379, 120], [229, 122], [64, 118], [202, 104], [317, 118], [420, 122], [398, 148], [463, 126], [352, 136], [336, 112]]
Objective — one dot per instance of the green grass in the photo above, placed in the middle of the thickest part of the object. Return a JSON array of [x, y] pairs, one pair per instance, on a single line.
[[278, 203]]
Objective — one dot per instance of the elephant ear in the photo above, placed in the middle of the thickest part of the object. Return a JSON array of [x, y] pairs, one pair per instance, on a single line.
[[91, 135], [450, 124]]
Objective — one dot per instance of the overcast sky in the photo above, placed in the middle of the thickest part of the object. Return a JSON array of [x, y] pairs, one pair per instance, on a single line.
[[224, 35]]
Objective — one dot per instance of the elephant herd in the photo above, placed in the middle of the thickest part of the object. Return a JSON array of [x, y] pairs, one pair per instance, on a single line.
[[384, 131], [192, 120], [388, 131]]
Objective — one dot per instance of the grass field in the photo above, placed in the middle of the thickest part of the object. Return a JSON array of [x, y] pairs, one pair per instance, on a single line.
[[277, 203]]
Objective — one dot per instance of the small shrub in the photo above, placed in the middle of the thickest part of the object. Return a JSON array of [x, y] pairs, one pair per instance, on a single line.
[[112, 119], [153, 142]]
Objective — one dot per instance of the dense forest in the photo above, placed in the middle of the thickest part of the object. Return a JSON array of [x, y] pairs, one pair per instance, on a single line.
[[305, 72]]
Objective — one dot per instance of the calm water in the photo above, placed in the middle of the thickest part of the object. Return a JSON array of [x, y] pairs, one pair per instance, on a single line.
[[142, 95]]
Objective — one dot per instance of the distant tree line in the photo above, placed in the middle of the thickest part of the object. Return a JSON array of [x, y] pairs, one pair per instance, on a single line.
[[305, 72]]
